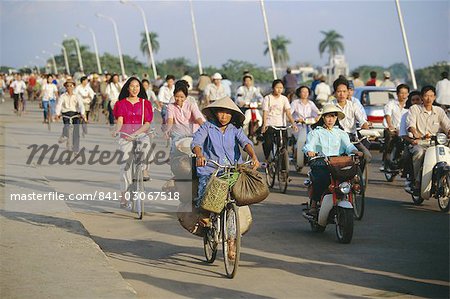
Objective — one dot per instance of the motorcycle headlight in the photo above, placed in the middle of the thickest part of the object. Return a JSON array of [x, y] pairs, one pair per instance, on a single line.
[[441, 139], [345, 187]]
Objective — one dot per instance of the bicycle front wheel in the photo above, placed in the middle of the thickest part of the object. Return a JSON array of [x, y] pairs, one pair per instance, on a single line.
[[138, 201], [231, 239], [210, 246], [283, 170]]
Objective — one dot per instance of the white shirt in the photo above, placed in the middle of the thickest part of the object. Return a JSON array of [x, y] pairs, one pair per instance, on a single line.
[[298, 109], [85, 93], [67, 103], [357, 102], [322, 91], [226, 86], [165, 94], [214, 92], [189, 80], [18, 86], [275, 109], [443, 92], [113, 91], [49, 91], [392, 108], [246, 94], [352, 115], [403, 126]]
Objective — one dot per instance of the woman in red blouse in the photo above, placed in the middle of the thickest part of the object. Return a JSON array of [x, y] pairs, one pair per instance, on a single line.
[[134, 115]]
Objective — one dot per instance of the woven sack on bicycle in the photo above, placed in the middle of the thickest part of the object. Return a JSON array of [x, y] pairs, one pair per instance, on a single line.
[[188, 216], [342, 168], [181, 167], [215, 195], [250, 187], [245, 219]]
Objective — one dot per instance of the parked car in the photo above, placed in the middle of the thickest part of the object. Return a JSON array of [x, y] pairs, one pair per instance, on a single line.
[[373, 99]]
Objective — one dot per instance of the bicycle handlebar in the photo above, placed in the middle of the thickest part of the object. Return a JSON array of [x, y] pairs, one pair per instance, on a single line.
[[226, 166], [281, 128]]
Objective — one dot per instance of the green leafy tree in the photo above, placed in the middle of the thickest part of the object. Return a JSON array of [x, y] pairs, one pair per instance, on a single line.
[[279, 48], [432, 74], [331, 43]]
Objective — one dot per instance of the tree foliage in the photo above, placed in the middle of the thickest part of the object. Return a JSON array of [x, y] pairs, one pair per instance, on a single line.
[[279, 48], [332, 42]]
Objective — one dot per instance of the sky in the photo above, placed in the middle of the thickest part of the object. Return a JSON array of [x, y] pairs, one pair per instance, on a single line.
[[231, 29]]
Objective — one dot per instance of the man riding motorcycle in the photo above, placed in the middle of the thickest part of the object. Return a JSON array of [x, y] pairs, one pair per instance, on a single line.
[[425, 121], [352, 114], [393, 112]]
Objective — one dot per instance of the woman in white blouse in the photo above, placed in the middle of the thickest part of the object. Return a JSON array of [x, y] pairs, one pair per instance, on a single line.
[[112, 91]]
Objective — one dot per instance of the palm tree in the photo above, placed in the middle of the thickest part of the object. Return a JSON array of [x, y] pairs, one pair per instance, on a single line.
[[332, 43], [279, 47], [153, 40]]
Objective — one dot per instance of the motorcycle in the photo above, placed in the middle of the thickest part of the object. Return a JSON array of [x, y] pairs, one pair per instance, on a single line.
[[393, 163], [253, 120], [435, 173], [336, 204]]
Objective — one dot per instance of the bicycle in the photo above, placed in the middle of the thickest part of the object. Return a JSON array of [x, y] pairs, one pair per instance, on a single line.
[[278, 165], [20, 105], [70, 129], [136, 188], [224, 228], [49, 116]]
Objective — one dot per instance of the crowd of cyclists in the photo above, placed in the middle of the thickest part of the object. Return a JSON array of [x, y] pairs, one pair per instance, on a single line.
[[410, 116]]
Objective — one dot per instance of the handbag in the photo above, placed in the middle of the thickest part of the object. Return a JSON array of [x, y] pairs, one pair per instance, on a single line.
[[216, 194]]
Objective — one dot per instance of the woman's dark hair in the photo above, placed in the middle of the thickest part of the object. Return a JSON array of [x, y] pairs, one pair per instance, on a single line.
[[83, 78], [124, 93], [275, 82], [297, 92], [401, 86], [181, 85], [145, 80], [247, 76], [321, 122], [111, 80], [413, 93], [427, 88], [168, 77]]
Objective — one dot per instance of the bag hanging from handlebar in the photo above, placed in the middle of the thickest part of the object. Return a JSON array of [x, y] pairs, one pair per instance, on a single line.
[[250, 187], [216, 194]]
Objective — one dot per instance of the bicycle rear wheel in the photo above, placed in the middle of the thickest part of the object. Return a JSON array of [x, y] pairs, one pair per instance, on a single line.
[[231, 239], [283, 170]]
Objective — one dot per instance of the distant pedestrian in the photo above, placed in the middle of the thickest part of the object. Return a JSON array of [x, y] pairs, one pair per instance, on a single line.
[[373, 80], [387, 80], [322, 91], [186, 77], [443, 90], [215, 90], [289, 82], [357, 82]]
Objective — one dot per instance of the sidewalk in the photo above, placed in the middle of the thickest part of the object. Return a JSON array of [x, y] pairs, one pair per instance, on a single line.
[[45, 251]]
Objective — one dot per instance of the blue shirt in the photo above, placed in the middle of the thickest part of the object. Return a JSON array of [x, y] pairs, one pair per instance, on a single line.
[[334, 142], [222, 147]]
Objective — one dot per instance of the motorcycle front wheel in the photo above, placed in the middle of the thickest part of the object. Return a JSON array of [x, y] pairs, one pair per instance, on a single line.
[[344, 225], [443, 199]]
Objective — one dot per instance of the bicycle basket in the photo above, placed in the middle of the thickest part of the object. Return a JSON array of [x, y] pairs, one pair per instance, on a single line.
[[216, 194], [342, 168]]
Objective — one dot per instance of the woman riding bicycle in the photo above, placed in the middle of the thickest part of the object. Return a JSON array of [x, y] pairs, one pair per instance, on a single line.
[[182, 115], [219, 139], [276, 108], [330, 139], [134, 115], [302, 108]]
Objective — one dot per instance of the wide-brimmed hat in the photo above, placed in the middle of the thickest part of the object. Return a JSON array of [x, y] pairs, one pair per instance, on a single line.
[[387, 74], [216, 76], [224, 103], [69, 81], [330, 108]]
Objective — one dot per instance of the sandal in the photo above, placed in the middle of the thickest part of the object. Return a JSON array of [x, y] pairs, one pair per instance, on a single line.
[[124, 205]]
